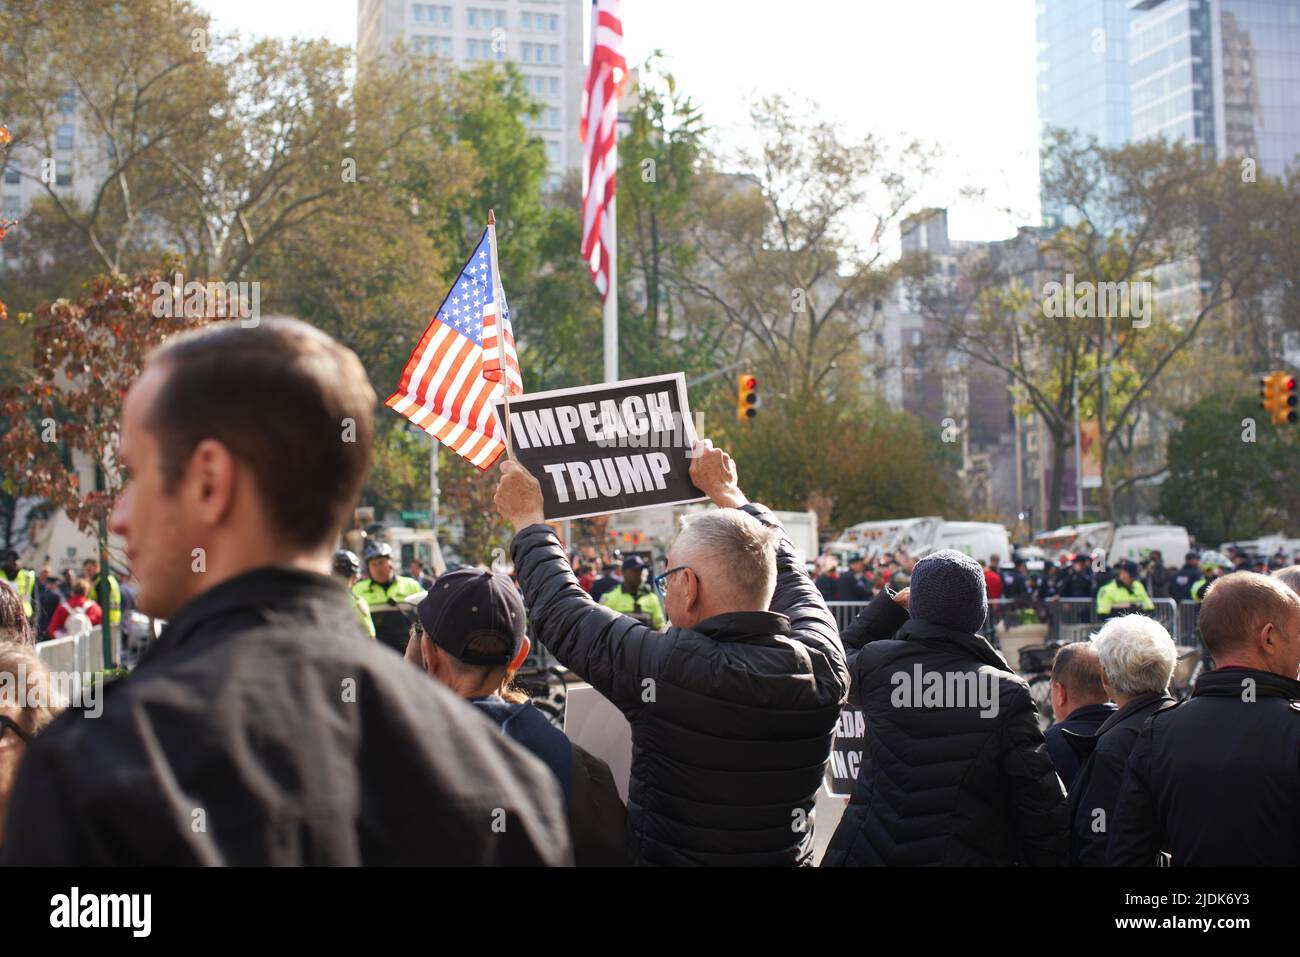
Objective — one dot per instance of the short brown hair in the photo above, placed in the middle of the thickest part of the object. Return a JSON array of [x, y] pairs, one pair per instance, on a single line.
[[1077, 667], [1237, 604], [288, 401]]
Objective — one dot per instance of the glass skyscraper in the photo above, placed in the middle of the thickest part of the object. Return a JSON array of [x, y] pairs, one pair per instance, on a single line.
[[1223, 73]]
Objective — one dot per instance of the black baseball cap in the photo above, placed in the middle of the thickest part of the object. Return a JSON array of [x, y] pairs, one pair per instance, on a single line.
[[633, 561], [473, 603]]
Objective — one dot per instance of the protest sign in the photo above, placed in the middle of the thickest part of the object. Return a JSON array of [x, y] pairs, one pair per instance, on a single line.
[[846, 753], [608, 448]]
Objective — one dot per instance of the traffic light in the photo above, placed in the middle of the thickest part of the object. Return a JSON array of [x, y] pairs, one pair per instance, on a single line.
[[1277, 396], [746, 397], [1286, 399]]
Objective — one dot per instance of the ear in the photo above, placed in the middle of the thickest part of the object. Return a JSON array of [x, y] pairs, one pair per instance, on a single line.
[[430, 654], [523, 653], [209, 482]]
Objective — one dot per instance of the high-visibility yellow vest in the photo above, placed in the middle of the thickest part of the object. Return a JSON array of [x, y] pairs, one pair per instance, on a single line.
[[114, 599], [645, 603], [1114, 596], [24, 583]]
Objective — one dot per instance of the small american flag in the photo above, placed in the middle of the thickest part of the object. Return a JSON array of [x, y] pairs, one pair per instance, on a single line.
[[598, 128], [455, 373]]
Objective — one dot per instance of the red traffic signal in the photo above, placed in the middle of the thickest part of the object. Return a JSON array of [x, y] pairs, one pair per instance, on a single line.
[[746, 396]]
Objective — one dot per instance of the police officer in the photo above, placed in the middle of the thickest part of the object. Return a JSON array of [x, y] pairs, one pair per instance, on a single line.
[[383, 592], [1213, 571], [1180, 588], [23, 580], [1123, 594], [108, 596], [633, 598], [1078, 581], [347, 567]]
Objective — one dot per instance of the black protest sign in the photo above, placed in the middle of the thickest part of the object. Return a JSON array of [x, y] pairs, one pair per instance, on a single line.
[[606, 448], [846, 753]]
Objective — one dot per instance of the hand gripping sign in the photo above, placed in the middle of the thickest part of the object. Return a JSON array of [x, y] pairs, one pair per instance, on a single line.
[[606, 448]]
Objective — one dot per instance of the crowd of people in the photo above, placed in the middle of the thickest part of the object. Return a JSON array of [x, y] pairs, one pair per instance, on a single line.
[[268, 724]]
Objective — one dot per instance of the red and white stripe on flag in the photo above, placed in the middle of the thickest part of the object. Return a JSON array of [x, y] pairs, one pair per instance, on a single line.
[[453, 376], [598, 128]]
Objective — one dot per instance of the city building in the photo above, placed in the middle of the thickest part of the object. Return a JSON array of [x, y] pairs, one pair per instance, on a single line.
[[545, 38]]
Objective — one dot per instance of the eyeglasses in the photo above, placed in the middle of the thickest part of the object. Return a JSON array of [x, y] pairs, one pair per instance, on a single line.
[[7, 723], [661, 581]]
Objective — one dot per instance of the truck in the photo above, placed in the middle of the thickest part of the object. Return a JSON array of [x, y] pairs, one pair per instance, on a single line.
[[923, 535], [1119, 542]]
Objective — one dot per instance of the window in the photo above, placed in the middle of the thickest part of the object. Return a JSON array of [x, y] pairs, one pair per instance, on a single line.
[[526, 22], [11, 174], [11, 208], [553, 119], [553, 182], [555, 53], [62, 173], [554, 24], [553, 151], [526, 52], [417, 13], [67, 102], [472, 12], [554, 85], [63, 137]]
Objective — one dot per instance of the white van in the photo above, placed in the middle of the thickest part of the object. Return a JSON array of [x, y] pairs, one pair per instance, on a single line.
[[980, 540]]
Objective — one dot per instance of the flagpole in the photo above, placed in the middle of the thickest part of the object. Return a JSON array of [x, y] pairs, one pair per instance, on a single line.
[[501, 329], [611, 293]]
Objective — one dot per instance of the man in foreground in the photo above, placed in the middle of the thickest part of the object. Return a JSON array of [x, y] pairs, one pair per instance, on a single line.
[[733, 706], [1213, 782], [258, 729]]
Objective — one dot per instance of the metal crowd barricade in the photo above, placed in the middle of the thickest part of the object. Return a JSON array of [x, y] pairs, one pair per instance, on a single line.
[[1189, 624], [845, 612]]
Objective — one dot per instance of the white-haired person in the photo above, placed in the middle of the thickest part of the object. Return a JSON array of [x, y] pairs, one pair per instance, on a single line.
[[1137, 661], [28, 702]]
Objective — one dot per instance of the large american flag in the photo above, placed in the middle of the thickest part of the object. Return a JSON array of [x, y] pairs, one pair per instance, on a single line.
[[598, 128], [455, 373]]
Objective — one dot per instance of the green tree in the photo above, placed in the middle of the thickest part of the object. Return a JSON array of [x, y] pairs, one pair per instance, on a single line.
[[1229, 472]]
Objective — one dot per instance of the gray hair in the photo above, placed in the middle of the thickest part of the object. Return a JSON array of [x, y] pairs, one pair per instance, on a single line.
[[1137, 655], [1290, 577], [739, 543]]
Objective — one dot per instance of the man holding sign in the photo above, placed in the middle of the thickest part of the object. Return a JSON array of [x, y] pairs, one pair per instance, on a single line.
[[734, 705]]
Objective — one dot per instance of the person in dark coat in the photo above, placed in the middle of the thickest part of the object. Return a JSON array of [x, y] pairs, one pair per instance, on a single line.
[[1180, 587], [828, 581], [1078, 583], [1158, 576], [733, 706], [607, 582], [1078, 694], [853, 584], [955, 769], [1137, 660], [1213, 781], [257, 730], [470, 636]]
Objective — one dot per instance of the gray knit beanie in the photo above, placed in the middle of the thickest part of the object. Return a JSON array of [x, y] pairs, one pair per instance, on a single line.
[[948, 590]]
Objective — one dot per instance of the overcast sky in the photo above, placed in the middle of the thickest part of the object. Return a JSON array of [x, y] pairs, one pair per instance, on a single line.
[[957, 73]]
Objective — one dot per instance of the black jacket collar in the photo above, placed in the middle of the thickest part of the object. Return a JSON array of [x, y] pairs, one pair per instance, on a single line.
[[739, 625], [1227, 681], [974, 646], [273, 588], [1141, 706]]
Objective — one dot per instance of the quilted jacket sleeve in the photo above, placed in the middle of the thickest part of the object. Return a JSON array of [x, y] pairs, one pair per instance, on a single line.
[[1036, 799], [1134, 839], [811, 621], [613, 652]]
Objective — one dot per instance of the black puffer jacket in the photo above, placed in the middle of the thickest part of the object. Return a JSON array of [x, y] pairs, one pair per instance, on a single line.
[[1215, 781], [969, 785], [1096, 789], [731, 722]]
